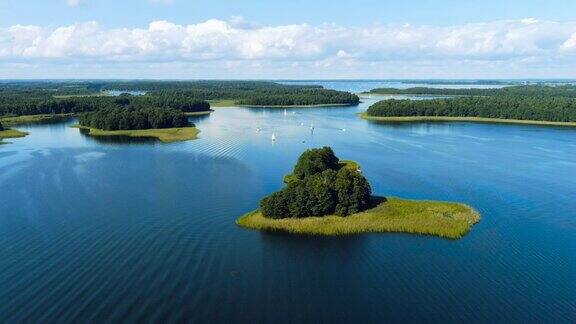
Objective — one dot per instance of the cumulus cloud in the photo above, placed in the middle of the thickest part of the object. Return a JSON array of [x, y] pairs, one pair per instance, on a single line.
[[527, 40]]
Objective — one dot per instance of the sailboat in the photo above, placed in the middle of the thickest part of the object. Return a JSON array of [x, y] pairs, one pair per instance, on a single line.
[[273, 137], [285, 112]]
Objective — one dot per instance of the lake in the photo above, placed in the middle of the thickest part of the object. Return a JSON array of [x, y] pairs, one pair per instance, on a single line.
[[124, 231]]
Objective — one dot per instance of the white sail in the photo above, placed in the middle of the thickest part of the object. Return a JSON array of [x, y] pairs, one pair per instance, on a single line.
[[273, 137]]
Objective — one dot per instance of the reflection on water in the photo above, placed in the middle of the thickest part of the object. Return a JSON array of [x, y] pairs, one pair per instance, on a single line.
[[130, 232]]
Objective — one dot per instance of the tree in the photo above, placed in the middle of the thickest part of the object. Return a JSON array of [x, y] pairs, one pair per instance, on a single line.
[[353, 191], [320, 190], [314, 161], [1, 127]]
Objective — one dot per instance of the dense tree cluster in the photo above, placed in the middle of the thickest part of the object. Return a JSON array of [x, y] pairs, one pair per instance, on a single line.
[[256, 93], [60, 97], [302, 97], [38, 102], [218, 87], [504, 107], [130, 118], [560, 91], [321, 188]]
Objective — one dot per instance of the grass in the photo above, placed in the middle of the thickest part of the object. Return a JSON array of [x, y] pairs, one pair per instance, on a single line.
[[412, 119], [11, 133], [29, 119], [199, 113], [443, 219], [223, 103], [165, 135], [349, 164]]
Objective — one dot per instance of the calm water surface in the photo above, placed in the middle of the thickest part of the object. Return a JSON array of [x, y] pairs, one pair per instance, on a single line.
[[129, 231]]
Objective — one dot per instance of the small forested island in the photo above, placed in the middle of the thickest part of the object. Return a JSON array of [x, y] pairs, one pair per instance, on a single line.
[[9, 133], [544, 105], [326, 196], [165, 124]]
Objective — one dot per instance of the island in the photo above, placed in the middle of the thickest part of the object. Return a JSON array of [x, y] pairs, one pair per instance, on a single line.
[[52, 101], [538, 105], [244, 93], [9, 133], [326, 196], [164, 124]]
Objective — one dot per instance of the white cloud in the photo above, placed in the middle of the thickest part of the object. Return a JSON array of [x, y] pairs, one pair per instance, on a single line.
[[569, 45], [73, 3], [523, 42]]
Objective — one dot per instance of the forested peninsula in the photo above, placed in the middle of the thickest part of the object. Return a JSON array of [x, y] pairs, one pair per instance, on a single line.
[[59, 97], [553, 105], [326, 196]]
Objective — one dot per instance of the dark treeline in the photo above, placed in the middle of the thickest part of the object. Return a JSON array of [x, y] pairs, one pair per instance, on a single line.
[[116, 118], [458, 82], [36, 102], [259, 93], [59, 97], [564, 91], [301, 97], [321, 187], [556, 109], [206, 85]]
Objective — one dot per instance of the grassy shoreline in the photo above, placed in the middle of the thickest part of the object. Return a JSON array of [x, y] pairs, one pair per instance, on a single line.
[[393, 215], [298, 106], [165, 135], [30, 119], [199, 113], [413, 119], [232, 103], [11, 133]]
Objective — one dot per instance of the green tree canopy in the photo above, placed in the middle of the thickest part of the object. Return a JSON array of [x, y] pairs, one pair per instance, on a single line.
[[322, 188], [314, 161]]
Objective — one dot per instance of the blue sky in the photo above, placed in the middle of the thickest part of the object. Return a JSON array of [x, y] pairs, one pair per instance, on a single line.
[[116, 13], [288, 39]]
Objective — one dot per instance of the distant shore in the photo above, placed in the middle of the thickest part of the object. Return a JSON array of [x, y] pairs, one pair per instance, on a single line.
[[232, 103], [298, 106], [413, 119]]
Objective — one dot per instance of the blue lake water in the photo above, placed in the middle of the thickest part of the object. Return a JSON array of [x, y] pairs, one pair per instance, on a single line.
[[127, 231]]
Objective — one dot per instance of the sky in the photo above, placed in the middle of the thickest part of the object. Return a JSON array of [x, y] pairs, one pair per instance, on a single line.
[[258, 39]]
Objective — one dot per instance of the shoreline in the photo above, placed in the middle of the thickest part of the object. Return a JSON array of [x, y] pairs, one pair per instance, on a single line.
[[199, 113], [299, 106], [11, 133], [416, 119], [165, 135], [33, 119], [447, 220]]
